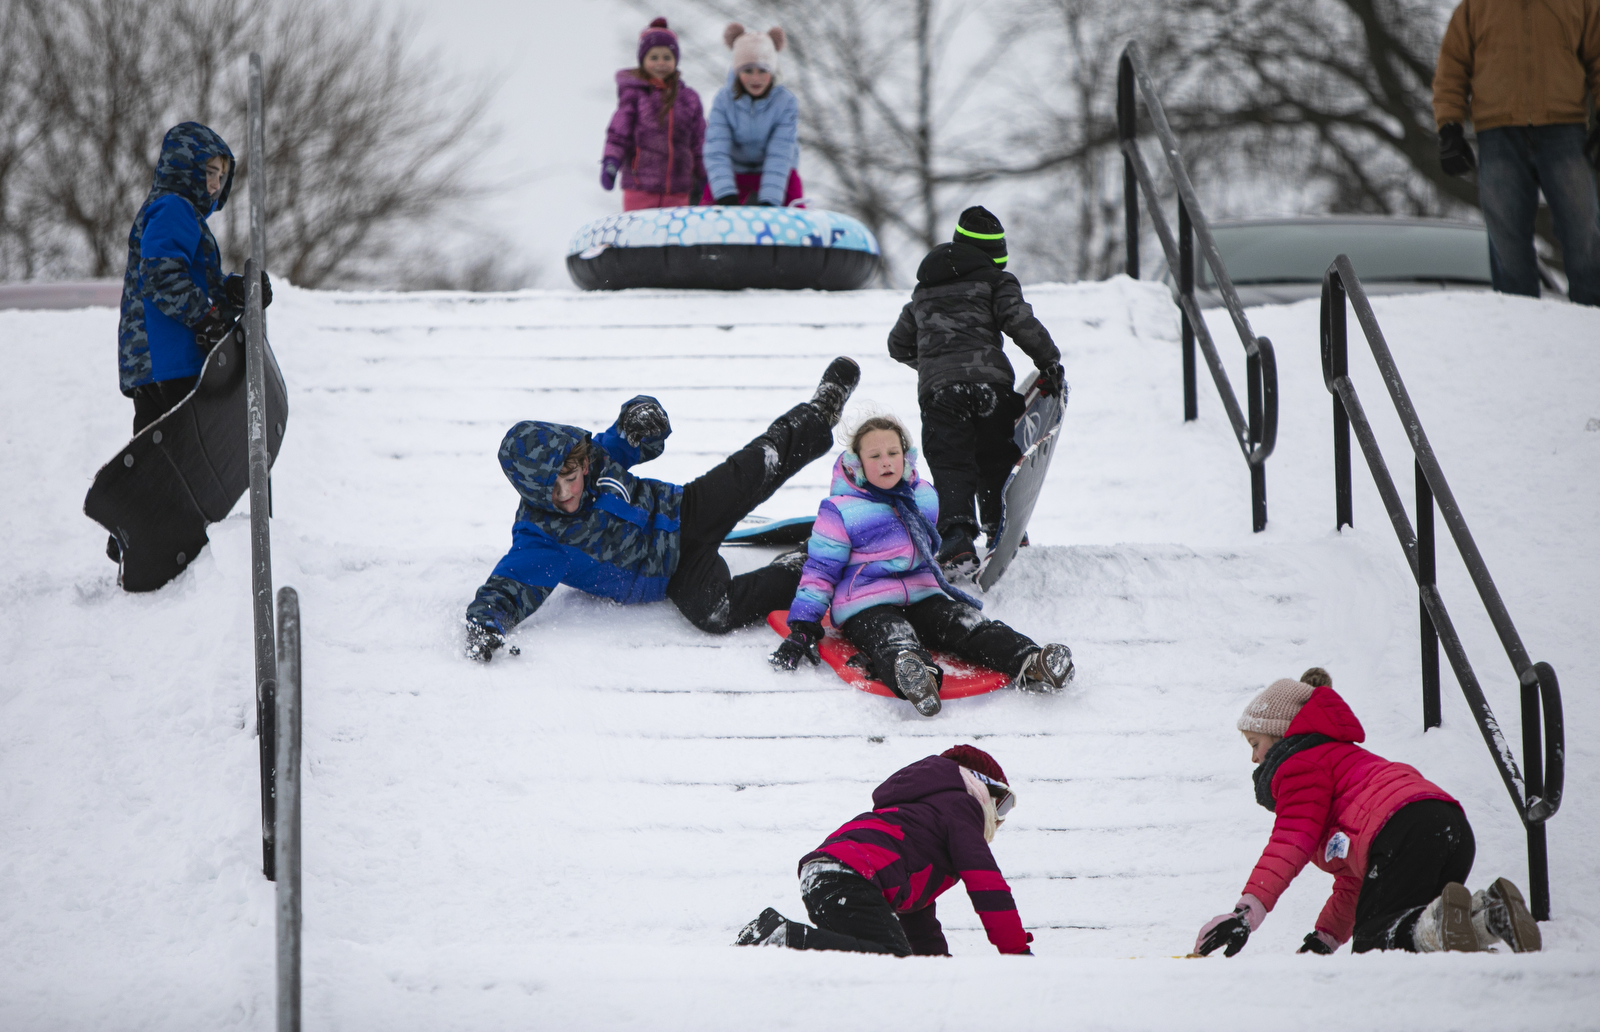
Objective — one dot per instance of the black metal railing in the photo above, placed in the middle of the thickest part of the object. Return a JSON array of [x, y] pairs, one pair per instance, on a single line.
[[1257, 432], [286, 840], [1536, 790]]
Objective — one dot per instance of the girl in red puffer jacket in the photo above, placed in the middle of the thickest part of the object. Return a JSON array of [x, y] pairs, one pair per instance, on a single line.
[[1398, 846]]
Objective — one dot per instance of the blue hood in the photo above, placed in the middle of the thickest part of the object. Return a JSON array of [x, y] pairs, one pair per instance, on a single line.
[[181, 168]]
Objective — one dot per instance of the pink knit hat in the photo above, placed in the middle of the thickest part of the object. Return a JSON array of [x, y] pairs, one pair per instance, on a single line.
[[656, 34], [754, 48], [1270, 712]]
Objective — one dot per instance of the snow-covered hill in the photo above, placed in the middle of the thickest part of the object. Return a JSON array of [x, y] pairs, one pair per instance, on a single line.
[[569, 838]]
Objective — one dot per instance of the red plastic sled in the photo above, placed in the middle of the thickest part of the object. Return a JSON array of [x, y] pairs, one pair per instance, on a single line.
[[961, 679]]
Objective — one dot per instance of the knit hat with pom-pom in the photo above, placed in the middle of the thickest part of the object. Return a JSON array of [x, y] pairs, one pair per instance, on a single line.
[[1270, 712], [1317, 677], [754, 48], [982, 230], [656, 34], [973, 758]]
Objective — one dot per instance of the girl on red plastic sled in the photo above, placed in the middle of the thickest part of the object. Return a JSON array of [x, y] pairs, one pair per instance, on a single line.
[[871, 560], [656, 135], [871, 886], [1398, 846]]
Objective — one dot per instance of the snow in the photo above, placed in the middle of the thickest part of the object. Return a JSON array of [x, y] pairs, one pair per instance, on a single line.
[[570, 838]]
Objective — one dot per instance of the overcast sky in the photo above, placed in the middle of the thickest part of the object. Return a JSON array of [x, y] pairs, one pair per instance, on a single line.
[[558, 60]]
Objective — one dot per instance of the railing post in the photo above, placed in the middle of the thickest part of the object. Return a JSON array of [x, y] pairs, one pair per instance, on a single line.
[[1127, 127], [260, 470], [1533, 786], [1258, 470], [1335, 365], [287, 839], [1432, 714], [1191, 403]]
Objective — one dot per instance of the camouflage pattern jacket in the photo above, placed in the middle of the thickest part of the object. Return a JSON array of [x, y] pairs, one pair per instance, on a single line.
[[174, 272], [949, 331], [621, 543]]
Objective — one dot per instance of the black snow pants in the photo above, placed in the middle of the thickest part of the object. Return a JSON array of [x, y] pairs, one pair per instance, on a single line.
[[937, 622], [151, 401], [1421, 849], [850, 914], [967, 439], [713, 503]]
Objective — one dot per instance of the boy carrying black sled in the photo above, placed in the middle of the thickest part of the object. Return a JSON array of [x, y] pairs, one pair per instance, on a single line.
[[949, 332]]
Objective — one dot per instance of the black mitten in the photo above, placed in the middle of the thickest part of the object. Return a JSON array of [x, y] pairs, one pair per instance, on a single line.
[[1315, 943], [728, 200], [234, 290], [800, 644], [1230, 932], [211, 330], [482, 641], [1455, 153], [641, 419], [1050, 380]]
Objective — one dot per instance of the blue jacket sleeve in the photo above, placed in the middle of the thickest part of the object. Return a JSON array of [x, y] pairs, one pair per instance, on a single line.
[[503, 602], [168, 247], [783, 149], [718, 150]]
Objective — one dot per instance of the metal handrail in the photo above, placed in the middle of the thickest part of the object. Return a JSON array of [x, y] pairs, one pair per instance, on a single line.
[[1535, 791], [286, 841], [1257, 433]]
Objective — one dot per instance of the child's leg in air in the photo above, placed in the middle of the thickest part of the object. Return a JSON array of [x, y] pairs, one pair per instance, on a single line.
[[1425, 846], [944, 623], [883, 633], [997, 453], [716, 501]]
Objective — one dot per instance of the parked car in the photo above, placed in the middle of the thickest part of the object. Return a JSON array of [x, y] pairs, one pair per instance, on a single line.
[[1278, 261]]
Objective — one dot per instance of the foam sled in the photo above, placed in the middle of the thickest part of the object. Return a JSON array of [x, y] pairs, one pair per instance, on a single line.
[[186, 470], [961, 679], [710, 247], [1038, 429], [759, 530]]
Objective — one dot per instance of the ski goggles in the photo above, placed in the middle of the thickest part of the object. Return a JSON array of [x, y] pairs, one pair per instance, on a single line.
[[1004, 798]]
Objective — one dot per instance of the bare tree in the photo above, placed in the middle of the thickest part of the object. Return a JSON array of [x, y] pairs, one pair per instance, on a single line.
[[367, 140]]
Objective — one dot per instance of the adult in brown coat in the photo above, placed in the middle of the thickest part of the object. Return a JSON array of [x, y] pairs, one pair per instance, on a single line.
[[1527, 75]]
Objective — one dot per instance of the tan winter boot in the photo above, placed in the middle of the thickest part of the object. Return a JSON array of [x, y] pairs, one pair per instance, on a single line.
[[1446, 923], [1500, 915]]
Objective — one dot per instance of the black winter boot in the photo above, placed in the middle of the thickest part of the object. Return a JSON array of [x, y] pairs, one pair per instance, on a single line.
[[958, 555], [761, 931], [838, 383], [919, 684]]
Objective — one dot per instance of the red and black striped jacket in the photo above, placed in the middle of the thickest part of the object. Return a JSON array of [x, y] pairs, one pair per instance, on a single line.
[[923, 835]]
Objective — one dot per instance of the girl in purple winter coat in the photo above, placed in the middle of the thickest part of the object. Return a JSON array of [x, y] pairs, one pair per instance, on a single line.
[[871, 561], [655, 137], [871, 886]]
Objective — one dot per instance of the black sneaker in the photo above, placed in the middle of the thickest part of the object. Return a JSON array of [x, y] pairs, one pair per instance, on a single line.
[[482, 641], [760, 931], [838, 383], [917, 683]]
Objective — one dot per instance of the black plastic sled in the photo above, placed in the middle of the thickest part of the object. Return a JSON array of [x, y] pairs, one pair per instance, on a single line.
[[1038, 429], [758, 530], [186, 470]]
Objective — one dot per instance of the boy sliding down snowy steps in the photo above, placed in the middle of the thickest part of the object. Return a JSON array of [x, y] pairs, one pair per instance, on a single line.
[[587, 522]]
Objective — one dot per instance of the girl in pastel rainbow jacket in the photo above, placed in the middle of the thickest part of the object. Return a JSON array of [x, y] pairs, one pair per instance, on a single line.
[[870, 560]]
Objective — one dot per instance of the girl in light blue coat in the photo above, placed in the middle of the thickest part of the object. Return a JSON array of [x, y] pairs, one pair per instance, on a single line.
[[752, 143]]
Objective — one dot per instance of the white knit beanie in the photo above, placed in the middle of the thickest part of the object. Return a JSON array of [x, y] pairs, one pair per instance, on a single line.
[[1270, 712], [754, 48]]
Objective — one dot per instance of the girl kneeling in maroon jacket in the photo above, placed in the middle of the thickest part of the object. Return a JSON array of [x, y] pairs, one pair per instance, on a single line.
[[1398, 846], [870, 887]]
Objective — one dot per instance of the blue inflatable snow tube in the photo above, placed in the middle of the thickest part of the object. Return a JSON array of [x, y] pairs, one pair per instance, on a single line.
[[724, 248]]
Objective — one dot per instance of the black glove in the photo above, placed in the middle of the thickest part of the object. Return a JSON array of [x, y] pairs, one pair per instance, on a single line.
[[641, 419], [1230, 932], [1315, 944], [728, 200], [765, 204], [1455, 153], [697, 190], [482, 641], [234, 290], [1050, 380], [800, 644], [1591, 146], [211, 330]]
